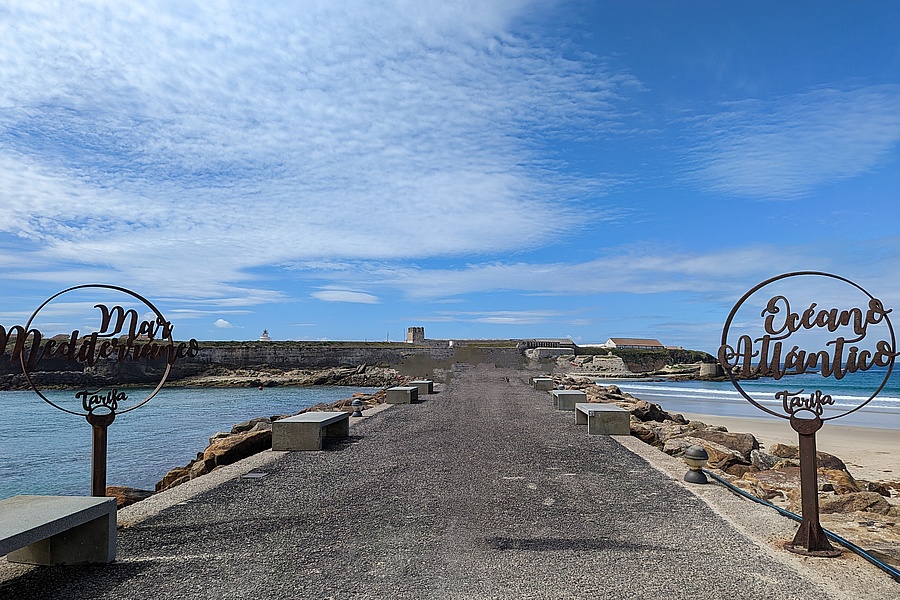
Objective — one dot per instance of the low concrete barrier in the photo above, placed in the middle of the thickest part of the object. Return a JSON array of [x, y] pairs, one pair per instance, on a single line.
[[306, 430], [542, 383], [426, 386], [405, 394], [603, 419], [567, 399], [58, 530]]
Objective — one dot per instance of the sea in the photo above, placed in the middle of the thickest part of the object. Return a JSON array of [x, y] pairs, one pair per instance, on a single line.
[[44, 450], [723, 399]]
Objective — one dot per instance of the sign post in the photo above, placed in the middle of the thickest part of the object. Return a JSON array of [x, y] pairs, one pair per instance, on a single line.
[[837, 342], [121, 336]]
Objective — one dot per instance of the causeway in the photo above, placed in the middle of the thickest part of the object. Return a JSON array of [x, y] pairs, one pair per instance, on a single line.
[[480, 490]]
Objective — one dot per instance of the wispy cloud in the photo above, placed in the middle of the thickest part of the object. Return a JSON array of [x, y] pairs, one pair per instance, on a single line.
[[786, 147], [496, 317], [337, 295], [639, 269], [182, 147]]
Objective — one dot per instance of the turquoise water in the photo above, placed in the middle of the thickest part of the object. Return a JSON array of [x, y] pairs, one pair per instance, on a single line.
[[47, 451], [721, 398]]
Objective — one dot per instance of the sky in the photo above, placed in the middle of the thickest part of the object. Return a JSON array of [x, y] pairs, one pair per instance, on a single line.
[[343, 170]]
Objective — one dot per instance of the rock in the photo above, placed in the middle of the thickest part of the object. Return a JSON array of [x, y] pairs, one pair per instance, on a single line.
[[875, 486], [739, 470], [248, 425], [174, 477], [823, 459], [752, 487], [126, 496], [857, 501], [218, 436], [645, 411], [720, 457], [841, 482], [785, 451], [775, 482], [226, 451], [643, 432], [761, 460], [743, 443]]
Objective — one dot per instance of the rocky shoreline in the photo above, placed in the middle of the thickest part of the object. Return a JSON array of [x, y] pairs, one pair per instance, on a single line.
[[268, 376], [864, 512]]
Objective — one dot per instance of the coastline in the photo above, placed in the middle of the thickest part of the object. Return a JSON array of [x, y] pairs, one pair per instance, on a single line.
[[871, 454]]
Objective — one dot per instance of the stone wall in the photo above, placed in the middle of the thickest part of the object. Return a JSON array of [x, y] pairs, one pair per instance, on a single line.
[[408, 360]]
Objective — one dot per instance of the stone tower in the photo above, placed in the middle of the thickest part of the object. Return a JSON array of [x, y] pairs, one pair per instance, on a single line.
[[415, 335]]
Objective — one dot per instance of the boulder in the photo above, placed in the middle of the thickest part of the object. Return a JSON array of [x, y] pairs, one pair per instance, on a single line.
[[720, 457], [175, 476], [775, 482], [857, 501], [875, 486], [743, 443], [126, 496], [841, 482], [646, 411], [823, 459], [762, 460], [644, 432], [233, 448], [248, 425]]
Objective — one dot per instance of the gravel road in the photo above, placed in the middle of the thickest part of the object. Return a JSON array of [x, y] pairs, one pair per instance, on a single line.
[[481, 490]]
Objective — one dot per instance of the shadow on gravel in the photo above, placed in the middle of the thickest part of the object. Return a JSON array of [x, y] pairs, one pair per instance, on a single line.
[[554, 544], [74, 581], [339, 443]]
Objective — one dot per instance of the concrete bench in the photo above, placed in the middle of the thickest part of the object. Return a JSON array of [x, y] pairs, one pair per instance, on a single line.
[[404, 394], [567, 399], [426, 386], [58, 530], [603, 419], [305, 431], [542, 383]]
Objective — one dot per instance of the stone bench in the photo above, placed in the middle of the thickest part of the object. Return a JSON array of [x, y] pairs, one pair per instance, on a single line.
[[404, 394], [542, 383], [58, 530], [426, 386], [567, 399], [603, 419], [305, 431]]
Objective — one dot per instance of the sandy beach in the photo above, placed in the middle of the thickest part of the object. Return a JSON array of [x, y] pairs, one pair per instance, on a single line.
[[870, 454]]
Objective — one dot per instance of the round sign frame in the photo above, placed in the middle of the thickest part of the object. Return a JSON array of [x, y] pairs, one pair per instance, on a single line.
[[123, 290], [746, 296]]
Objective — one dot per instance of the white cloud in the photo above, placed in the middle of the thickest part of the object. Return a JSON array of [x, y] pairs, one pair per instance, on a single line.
[[721, 275], [182, 146], [496, 317], [787, 147], [223, 324], [335, 295]]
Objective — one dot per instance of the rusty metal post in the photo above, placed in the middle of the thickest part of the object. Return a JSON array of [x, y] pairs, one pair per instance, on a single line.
[[810, 538], [99, 425]]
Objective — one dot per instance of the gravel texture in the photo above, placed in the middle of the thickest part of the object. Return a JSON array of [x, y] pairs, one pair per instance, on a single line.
[[481, 490]]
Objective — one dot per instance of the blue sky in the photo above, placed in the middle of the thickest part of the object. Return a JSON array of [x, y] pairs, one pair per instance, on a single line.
[[345, 170]]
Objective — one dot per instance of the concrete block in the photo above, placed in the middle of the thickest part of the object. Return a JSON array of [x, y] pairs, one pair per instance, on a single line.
[[603, 419], [543, 383], [306, 431], [426, 386], [58, 530], [405, 394], [567, 399]]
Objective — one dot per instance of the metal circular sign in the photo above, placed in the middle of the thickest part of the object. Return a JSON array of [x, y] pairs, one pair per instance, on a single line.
[[836, 341], [121, 336]]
